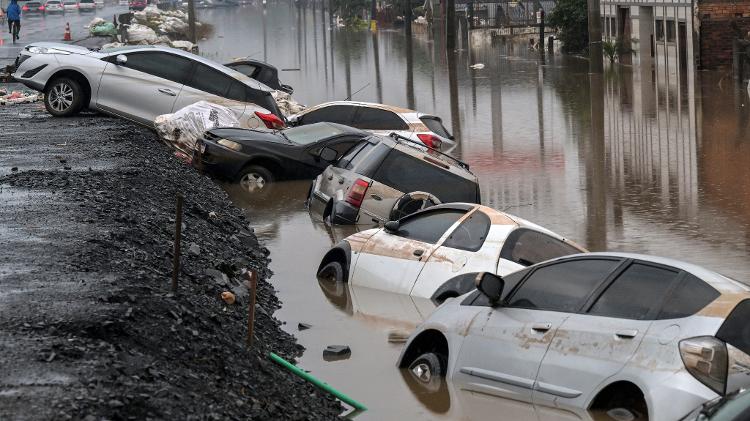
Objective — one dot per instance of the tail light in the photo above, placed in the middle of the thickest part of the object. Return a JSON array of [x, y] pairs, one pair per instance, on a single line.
[[705, 357], [25, 8], [356, 193], [271, 120], [431, 141], [41, 8]]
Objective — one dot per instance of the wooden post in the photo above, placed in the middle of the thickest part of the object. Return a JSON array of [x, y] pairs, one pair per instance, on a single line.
[[252, 285]]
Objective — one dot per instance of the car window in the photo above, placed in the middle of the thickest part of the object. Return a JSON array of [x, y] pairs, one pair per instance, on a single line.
[[408, 174], [342, 114], [472, 232], [244, 68], [635, 292], [511, 280], [736, 330], [263, 99], [210, 80], [305, 135], [528, 247], [429, 226], [691, 295], [236, 92], [435, 125], [163, 65], [358, 155], [377, 119], [563, 286]]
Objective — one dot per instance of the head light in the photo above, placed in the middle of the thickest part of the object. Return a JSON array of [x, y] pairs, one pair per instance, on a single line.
[[229, 144], [45, 50]]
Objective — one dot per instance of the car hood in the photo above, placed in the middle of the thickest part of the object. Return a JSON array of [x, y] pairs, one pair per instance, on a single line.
[[249, 135], [73, 49]]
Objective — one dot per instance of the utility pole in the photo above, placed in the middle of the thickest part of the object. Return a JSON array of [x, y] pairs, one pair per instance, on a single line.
[[540, 20], [450, 22], [408, 17], [595, 37], [191, 21], [373, 14]]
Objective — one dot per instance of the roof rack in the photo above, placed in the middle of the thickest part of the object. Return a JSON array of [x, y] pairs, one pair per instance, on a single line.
[[410, 142]]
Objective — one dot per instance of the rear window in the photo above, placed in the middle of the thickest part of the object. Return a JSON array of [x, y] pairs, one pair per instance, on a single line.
[[407, 174], [691, 295], [436, 126], [33, 4], [736, 329], [86, 1], [305, 135]]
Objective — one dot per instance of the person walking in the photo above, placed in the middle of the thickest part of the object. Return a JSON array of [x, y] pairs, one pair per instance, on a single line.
[[14, 16]]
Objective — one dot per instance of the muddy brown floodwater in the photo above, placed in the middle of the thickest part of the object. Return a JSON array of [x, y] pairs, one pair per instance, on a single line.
[[642, 161]]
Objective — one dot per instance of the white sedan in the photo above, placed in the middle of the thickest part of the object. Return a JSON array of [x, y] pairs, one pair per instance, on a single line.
[[423, 254]]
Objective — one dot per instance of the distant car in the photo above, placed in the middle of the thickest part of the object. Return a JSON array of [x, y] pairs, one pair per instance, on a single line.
[[423, 254], [70, 5], [138, 4], [378, 182], [254, 159], [86, 5], [262, 72], [734, 406], [53, 6], [640, 337], [99, 3], [139, 83], [32, 8], [123, 3], [379, 119]]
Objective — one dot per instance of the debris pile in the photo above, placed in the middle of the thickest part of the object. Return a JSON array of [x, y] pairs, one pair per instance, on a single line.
[[19, 97], [287, 105], [171, 23], [99, 27]]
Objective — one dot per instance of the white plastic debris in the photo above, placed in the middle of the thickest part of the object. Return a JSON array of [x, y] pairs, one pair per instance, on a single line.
[[138, 33], [182, 45], [19, 97], [477, 66], [183, 128], [287, 105], [94, 22], [112, 45], [420, 20]]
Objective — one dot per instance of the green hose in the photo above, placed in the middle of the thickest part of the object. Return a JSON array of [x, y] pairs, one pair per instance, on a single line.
[[319, 383]]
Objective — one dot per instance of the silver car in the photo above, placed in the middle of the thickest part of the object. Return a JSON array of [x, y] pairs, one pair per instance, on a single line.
[[140, 83], [637, 336]]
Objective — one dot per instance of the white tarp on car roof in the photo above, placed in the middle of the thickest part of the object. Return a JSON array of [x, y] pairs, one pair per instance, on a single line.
[[183, 128]]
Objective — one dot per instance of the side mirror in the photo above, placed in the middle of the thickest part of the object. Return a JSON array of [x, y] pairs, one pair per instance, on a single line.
[[391, 226], [490, 285], [121, 59], [328, 154]]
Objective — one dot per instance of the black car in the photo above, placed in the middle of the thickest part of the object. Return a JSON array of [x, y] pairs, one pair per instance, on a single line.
[[255, 158], [262, 72]]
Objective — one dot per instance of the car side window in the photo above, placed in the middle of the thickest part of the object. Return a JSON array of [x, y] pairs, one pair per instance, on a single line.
[[210, 80], [428, 227], [342, 114], [377, 119], [236, 92], [167, 66], [246, 69], [635, 292], [472, 232], [528, 247], [691, 295], [562, 286], [511, 280], [340, 146], [360, 155]]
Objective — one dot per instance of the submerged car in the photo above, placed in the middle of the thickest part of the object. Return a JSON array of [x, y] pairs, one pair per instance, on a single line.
[[652, 336], [734, 406], [140, 83], [422, 254], [260, 71], [254, 158], [379, 119], [377, 182], [32, 8]]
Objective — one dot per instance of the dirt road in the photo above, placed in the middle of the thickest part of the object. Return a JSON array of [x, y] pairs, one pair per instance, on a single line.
[[88, 327]]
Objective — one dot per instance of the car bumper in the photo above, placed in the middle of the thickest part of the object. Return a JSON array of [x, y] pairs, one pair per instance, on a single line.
[[343, 213], [26, 62], [217, 160]]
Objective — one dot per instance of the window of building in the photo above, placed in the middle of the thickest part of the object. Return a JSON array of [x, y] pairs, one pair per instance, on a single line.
[[670, 30], [659, 30]]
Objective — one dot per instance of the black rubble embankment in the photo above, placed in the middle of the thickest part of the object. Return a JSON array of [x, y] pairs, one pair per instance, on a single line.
[[88, 327]]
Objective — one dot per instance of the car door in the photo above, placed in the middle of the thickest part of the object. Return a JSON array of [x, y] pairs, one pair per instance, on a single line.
[[464, 250], [208, 84], [335, 113], [590, 347], [392, 261], [378, 120], [525, 247], [503, 349], [144, 87]]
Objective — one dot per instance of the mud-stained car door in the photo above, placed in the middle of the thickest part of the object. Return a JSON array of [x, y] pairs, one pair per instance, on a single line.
[[393, 261], [503, 351], [588, 348]]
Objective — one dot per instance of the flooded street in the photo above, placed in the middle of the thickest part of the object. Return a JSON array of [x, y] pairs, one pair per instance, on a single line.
[[640, 161]]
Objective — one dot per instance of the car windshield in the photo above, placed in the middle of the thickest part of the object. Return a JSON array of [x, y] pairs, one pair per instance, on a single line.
[[305, 135]]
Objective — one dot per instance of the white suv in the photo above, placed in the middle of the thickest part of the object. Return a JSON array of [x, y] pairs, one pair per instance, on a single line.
[[603, 331]]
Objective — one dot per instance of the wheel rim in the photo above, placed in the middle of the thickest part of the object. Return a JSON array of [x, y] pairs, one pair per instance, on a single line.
[[422, 372], [253, 182], [61, 97]]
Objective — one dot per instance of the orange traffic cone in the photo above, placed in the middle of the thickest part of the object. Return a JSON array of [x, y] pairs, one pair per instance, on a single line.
[[67, 36]]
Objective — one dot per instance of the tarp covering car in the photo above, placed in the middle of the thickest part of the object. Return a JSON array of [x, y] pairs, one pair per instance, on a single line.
[[181, 129]]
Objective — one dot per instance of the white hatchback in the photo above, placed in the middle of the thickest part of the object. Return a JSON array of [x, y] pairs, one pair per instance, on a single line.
[[422, 254], [633, 336]]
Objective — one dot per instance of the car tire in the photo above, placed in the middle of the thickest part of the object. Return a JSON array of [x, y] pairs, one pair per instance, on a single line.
[[332, 272], [64, 97], [255, 179], [429, 370]]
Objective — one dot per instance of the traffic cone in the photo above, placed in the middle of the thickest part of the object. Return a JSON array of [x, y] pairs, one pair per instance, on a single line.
[[67, 36]]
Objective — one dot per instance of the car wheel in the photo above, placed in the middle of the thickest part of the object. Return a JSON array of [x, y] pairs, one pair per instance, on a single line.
[[255, 179], [429, 370], [333, 272], [63, 97]]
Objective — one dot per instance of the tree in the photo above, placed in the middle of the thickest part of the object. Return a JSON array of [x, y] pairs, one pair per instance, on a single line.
[[571, 20]]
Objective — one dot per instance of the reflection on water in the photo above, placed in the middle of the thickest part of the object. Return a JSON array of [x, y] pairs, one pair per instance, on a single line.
[[638, 160]]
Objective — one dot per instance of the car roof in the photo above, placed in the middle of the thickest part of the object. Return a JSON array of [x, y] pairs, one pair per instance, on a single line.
[[398, 110], [418, 150]]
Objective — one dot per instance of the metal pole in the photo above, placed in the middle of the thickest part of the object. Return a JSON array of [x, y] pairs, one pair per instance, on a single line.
[[252, 284], [541, 31], [177, 237], [595, 37], [191, 21]]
